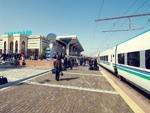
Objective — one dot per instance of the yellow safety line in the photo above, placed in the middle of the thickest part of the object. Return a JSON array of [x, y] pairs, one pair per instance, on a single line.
[[125, 97]]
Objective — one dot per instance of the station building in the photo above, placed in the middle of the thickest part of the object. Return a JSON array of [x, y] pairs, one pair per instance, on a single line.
[[66, 45], [35, 45], [32, 45], [71, 45]]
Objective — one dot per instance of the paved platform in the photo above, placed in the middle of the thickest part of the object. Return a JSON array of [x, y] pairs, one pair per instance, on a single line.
[[14, 74], [78, 91]]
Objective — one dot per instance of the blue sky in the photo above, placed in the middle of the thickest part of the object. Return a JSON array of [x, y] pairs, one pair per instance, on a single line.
[[67, 17]]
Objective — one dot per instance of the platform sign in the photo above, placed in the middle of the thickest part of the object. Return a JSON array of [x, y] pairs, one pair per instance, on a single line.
[[25, 32]]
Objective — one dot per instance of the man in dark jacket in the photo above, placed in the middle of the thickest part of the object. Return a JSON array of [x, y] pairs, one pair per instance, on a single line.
[[65, 63], [58, 68]]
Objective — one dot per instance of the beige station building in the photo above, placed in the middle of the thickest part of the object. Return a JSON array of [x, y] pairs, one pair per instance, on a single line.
[[35, 45], [28, 45]]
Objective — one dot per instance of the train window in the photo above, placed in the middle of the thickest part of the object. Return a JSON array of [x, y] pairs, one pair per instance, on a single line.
[[102, 58], [106, 58], [133, 59], [147, 59], [121, 58]]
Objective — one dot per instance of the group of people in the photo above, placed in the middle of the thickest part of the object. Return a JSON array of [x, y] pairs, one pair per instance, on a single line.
[[93, 64], [62, 64], [13, 59]]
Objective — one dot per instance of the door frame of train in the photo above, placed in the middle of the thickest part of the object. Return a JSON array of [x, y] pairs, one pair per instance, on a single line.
[[114, 66]]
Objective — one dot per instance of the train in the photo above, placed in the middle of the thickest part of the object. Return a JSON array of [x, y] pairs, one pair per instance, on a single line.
[[130, 60]]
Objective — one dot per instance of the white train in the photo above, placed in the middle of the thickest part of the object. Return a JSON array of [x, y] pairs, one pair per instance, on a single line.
[[130, 60]]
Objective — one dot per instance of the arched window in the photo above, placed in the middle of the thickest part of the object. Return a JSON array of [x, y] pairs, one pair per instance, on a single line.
[[5, 47], [11, 47], [16, 47], [23, 47]]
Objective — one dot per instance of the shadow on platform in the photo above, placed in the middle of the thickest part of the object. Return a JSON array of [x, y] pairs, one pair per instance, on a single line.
[[45, 81], [67, 79]]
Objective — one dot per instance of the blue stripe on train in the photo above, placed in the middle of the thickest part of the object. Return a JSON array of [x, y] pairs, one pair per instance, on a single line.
[[141, 71]]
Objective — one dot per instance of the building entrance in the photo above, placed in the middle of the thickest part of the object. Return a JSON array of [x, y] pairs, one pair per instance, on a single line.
[[33, 53]]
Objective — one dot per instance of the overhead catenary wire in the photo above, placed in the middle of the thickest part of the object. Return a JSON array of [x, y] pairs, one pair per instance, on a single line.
[[120, 17], [134, 12], [140, 7], [100, 9], [128, 9], [125, 12], [98, 16], [130, 27]]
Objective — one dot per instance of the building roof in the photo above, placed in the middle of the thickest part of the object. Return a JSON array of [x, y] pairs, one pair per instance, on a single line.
[[72, 39], [67, 36], [9, 36]]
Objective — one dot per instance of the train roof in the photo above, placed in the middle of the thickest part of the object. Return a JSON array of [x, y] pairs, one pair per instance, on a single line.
[[135, 36]]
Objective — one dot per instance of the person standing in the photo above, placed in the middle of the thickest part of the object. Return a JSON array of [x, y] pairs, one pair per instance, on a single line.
[[23, 59], [65, 63], [90, 64], [57, 67], [95, 65], [69, 63]]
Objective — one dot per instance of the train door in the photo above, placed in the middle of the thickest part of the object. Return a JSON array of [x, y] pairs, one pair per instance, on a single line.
[[114, 60]]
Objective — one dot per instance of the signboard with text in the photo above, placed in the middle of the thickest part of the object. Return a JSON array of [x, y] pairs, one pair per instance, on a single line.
[[25, 32]]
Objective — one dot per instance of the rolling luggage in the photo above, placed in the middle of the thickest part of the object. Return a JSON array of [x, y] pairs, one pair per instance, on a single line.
[[96, 68], [23, 63], [53, 71], [90, 68], [3, 80]]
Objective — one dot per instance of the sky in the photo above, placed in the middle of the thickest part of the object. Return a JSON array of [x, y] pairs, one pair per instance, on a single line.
[[76, 17]]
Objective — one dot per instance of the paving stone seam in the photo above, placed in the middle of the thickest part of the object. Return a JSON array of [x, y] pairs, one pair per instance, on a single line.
[[87, 82], [82, 74], [74, 87]]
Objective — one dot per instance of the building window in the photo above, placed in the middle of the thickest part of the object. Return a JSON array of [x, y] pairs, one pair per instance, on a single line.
[[11, 47], [133, 59], [147, 59], [121, 58], [23, 47], [5, 47], [16, 47]]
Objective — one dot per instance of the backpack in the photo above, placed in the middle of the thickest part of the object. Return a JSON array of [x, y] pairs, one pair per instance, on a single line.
[[3, 80]]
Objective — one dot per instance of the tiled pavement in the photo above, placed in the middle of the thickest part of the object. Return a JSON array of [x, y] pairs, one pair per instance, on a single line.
[[72, 94], [19, 73]]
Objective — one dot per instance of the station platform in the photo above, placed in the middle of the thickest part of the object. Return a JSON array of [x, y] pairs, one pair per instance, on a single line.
[[79, 91]]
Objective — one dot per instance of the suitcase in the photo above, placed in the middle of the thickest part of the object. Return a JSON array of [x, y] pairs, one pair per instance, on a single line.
[[3, 80], [53, 71], [96, 68], [90, 68], [23, 63]]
